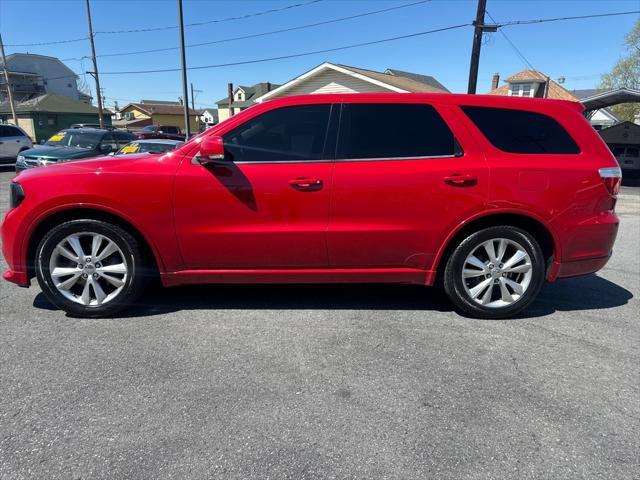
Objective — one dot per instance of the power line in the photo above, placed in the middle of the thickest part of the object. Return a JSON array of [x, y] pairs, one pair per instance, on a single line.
[[169, 27], [295, 55], [558, 19], [208, 22], [272, 32], [520, 54]]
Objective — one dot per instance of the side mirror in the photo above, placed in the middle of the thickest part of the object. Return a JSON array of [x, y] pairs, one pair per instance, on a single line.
[[105, 148], [211, 150], [42, 141]]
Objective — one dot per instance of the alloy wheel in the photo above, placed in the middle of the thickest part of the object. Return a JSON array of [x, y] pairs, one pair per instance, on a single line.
[[88, 268], [497, 273]]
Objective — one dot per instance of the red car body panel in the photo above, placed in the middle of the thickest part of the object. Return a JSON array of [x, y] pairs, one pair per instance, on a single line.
[[370, 220]]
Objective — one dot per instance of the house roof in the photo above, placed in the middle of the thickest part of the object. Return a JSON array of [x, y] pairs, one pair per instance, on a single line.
[[400, 81], [394, 80], [52, 102], [250, 94], [627, 133], [556, 90], [426, 79], [159, 109]]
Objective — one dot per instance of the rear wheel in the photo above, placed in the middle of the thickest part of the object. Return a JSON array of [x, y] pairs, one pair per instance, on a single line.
[[89, 268], [495, 273]]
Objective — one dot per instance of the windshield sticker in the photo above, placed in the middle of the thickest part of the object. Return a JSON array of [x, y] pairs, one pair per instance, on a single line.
[[57, 137], [130, 148]]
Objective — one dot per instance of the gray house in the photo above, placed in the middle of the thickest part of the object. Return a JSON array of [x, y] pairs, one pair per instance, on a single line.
[[33, 75]]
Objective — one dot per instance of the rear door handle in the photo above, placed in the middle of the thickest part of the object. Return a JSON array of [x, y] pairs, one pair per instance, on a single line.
[[306, 183], [461, 180]]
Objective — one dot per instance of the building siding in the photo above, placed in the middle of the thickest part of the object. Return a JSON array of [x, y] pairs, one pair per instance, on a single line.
[[331, 81]]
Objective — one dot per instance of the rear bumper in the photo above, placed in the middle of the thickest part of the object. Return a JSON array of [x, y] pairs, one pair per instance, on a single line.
[[576, 268]]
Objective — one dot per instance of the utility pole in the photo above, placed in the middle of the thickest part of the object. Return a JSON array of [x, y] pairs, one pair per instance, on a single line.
[[95, 67], [6, 79], [185, 94], [477, 43]]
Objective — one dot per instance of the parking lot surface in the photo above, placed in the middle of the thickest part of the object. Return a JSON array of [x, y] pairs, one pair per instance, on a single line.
[[309, 382]]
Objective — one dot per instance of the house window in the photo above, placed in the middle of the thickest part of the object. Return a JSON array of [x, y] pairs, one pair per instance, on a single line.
[[129, 116], [521, 90]]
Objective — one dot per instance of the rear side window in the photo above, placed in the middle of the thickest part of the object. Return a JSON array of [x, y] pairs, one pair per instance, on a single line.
[[285, 134], [520, 131], [393, 130], [8, 131]]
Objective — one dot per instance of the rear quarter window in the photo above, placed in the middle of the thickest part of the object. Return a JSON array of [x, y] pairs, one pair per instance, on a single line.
[[521, 131]]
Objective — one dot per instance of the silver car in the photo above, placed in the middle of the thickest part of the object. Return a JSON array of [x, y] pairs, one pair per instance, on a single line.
[[13, 140]]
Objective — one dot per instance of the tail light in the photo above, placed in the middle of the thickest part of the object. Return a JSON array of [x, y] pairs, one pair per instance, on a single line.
[[611, 177]]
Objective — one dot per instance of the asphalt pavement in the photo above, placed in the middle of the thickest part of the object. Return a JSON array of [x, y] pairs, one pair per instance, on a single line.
[[327, 382]]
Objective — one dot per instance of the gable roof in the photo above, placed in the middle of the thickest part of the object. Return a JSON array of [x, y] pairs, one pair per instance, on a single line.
[[250, 94], [556, 90], [390, 81], [52, 102], [159, 109], [426, 79]]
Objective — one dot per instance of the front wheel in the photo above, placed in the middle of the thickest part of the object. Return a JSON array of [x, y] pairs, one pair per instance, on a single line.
[[495, 273], [89, 268]]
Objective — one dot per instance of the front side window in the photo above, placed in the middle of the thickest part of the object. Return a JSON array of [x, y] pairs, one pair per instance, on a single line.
[[521, 131], [290, 133], [393, 130]]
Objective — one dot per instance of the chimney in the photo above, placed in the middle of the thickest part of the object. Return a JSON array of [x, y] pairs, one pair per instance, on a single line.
[[495, 81], [230, 97], [268, 87]]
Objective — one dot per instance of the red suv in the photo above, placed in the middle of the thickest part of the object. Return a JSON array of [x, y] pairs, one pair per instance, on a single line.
[[160, 131], [487, 196]]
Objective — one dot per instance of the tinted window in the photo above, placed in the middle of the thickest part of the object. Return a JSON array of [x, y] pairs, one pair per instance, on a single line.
[[289, 133], [149, 128], [124, 137], [387, 130], [11, 131], [519, 131]]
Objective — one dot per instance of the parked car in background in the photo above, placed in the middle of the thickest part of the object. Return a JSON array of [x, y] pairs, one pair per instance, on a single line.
[[629, 160], [489, 196], [149, 146], [73, 144], [92, 125], [160, 131], [13, 140]]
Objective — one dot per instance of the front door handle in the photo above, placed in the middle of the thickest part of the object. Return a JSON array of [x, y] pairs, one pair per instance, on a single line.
[[306, 183], [461, 180]]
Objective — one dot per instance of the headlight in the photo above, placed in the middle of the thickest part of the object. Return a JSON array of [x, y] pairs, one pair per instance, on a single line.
[[16, 195], [20, 159]]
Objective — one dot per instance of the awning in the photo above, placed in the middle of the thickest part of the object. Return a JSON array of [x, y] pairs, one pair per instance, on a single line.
[[610, 97]]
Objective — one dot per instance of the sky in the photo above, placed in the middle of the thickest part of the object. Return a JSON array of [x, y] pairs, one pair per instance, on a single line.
[[579, 50]]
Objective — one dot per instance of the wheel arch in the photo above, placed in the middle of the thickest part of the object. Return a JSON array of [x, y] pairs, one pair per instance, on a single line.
[[150, 254], [541, 231]]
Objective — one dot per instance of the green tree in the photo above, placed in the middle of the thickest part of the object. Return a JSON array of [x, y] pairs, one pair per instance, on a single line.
[[626, 73]]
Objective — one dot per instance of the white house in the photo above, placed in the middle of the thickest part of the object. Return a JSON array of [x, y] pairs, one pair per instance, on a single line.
[[335, 78]]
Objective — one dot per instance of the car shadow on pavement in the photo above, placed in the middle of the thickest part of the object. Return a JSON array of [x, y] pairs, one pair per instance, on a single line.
[[583, 293]]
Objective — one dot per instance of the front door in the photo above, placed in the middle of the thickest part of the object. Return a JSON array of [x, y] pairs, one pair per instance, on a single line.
[[266, 205], [402, 182]]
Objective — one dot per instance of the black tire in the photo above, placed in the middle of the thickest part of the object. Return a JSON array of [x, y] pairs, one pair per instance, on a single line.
[[129, 246], [454, 283]]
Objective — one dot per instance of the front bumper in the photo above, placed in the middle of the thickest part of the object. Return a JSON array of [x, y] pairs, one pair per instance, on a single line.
[[11, 250]]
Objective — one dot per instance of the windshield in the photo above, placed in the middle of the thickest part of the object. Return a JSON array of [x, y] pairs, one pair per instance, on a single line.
[[75, 139], [150, 128]]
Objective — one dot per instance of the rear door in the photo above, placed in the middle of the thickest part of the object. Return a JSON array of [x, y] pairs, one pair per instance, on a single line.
[[403, 179]]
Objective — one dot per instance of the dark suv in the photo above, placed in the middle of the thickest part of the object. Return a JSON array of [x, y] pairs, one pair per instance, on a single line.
[[73, 144], [160, 131]]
